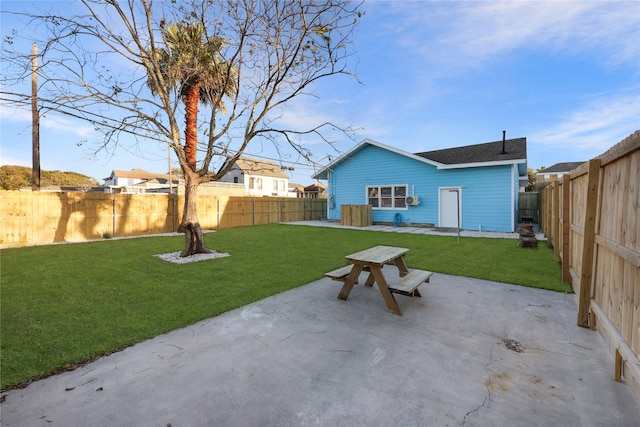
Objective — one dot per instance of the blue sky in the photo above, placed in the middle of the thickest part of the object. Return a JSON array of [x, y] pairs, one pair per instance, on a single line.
[[432, 75]]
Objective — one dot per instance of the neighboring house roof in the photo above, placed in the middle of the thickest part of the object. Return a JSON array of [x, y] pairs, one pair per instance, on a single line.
[[489, 153], [260, 167], [318, 188], [155, 182], [137, 174], [561, 167], [296, 187]]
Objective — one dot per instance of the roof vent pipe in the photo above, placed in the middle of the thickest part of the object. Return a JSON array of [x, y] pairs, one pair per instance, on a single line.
[[504, 135]]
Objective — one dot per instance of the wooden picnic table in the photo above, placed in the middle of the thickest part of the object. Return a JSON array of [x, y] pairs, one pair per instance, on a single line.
[[373, 260]]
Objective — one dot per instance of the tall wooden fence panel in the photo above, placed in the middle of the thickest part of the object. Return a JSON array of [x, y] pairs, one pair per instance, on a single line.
[[603, 258], [28, 218]]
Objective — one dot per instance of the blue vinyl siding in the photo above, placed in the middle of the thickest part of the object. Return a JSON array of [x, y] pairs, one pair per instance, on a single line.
[[487, 192], [486, 198]]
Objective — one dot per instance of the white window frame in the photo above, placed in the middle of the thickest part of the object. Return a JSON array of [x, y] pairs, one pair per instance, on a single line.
[[398, 202]]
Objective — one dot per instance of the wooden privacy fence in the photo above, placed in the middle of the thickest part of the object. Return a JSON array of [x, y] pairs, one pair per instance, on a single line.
[[28, 218], [591, 220]]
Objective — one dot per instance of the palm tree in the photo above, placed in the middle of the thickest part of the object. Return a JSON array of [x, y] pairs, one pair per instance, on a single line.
[[191, 62]]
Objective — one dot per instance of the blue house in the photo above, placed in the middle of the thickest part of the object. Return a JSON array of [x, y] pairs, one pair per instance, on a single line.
[[475, 186]]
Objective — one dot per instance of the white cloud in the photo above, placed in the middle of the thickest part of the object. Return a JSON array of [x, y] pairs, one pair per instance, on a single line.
[[477, 32], [306, 113], [53, 122], [65, 125], [12, 114], [600, 124]]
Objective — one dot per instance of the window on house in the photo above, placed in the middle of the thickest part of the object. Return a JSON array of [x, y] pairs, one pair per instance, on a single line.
[[281, 185], [235, 179], [259, 183], [275, 185], [400, 196], [387, 196], [252, 183], [373, 193]]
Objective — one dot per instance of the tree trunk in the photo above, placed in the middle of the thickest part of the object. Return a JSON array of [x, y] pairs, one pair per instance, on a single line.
[[191, 121], [194, 239]]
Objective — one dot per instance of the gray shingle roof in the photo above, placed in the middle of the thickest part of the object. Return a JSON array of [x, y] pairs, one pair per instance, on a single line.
[[260, 167], [459, 157], [562, 167], [138, 174], [479, 153]]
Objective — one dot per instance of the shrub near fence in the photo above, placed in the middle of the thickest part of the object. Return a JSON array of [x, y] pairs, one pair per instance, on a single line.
[[32, 218], [591, 220]]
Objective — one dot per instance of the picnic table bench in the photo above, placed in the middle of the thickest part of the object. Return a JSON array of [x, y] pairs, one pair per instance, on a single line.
[[408, 285], [373, 260], [341, 274]]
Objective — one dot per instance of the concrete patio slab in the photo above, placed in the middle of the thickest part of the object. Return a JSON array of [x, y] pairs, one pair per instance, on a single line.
[[468, 353]]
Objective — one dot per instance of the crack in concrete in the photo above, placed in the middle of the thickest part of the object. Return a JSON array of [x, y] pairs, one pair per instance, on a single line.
[[488, 396]]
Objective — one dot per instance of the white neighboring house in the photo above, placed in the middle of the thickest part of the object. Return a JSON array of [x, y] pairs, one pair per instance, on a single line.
[[140, 181], [259, 177]]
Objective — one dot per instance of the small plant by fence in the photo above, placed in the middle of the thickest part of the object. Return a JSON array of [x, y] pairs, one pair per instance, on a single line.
[[591, 220], [28, 218]]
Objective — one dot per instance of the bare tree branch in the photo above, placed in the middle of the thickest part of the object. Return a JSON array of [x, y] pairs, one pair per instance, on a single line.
[[107, 66]]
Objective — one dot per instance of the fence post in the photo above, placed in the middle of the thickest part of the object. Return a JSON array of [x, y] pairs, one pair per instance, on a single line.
[[589, 240], [542, 202], [548, 220], [174, 214], [556, 220], [545, 207], [113, 226], [566, 227], [175, 211]]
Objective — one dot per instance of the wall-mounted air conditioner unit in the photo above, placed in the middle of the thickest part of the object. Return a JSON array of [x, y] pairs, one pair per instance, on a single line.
[[412, 200]]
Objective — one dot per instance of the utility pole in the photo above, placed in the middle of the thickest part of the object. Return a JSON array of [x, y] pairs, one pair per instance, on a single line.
[[35, 122]]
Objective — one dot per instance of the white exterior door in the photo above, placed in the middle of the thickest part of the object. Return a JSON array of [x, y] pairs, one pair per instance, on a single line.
[[450, 207]]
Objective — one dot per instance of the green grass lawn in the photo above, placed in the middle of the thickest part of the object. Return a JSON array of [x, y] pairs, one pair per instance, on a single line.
[[67, 304]]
